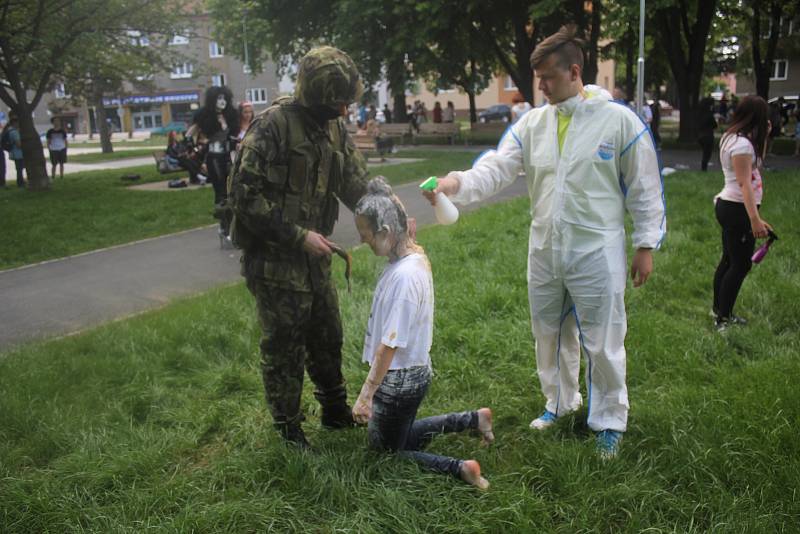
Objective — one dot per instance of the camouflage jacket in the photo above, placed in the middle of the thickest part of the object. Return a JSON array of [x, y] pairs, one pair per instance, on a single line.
[[288, 178]]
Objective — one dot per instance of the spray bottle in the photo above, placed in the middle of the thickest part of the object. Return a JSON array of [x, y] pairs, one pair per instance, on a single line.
[[446, 212], [763, 249]]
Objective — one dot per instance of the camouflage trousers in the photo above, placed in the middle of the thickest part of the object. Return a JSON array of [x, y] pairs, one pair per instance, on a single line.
[[299, 331]]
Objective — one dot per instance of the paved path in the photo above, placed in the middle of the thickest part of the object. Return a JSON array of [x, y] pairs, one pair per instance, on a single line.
[[71, 294]]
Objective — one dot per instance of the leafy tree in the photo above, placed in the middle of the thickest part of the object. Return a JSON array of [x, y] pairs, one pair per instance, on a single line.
[[455, 56], [775, 11], [112, 62], [683, 29], [42, 41]]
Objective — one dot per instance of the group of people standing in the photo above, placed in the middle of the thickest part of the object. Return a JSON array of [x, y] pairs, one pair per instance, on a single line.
[[296, 163]]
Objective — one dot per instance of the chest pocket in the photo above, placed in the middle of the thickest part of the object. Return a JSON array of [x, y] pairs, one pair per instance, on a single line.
[[300, 163]]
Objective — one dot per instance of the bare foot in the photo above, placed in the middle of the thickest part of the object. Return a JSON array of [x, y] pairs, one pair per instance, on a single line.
[[471, 474], [485, 426]]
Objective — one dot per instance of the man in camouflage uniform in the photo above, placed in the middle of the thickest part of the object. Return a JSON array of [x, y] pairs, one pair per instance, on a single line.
[[294, 165]]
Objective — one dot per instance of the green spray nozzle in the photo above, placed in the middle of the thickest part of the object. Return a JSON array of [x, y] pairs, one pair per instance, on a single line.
[[429, 184]]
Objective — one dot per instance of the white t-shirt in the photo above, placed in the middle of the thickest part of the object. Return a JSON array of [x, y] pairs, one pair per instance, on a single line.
[[402, 313], [734, 145]]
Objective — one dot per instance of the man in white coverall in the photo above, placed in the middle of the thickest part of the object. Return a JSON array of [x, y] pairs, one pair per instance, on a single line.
[[586, 160]]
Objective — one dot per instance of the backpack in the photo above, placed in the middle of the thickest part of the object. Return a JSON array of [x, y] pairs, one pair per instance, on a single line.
[[5, 141]]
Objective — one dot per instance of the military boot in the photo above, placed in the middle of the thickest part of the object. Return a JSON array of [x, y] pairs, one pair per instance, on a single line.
[[337, 416], [293, 434]]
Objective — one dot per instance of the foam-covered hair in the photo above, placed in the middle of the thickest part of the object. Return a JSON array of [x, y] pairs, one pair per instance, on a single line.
[[381, 207]]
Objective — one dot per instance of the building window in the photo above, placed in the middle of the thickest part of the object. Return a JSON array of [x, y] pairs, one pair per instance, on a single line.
[[215, 50], [218, 80], [60, 91], [509, 84], [179, 40], [137, 39], [181, 70], [256, 96], [780, 69]]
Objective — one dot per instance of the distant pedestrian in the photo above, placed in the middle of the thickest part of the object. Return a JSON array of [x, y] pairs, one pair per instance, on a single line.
[[706, 124], [437, 112], [656, 122], [738, 205], [776, 122], [449, 112], [246, 115], [57, 145], [387, 114], [12, 143], [217, 126], [413, 125]]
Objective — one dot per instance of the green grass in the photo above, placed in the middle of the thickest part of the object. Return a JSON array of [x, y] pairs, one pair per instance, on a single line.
[[158, 422], [117, 154], [90, 210]]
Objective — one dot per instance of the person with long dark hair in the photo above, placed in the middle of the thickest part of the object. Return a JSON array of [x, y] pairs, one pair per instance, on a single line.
[[217, 124], [742, 150]]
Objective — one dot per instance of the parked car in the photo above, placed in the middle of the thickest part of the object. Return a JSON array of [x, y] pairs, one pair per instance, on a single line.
[[498, 112], [177, 127]]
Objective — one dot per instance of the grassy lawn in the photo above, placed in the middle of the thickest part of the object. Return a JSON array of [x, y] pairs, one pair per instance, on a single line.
[[158, 422], [92, 210], [117, 154]]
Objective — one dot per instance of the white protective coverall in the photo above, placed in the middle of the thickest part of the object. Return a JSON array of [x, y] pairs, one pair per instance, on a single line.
[[577, 266]]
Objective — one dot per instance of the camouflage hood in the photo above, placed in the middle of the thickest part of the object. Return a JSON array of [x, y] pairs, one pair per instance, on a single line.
[[327, 76]]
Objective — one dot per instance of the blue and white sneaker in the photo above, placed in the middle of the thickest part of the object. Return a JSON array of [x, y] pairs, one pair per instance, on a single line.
[[547, 419], [608, 442]]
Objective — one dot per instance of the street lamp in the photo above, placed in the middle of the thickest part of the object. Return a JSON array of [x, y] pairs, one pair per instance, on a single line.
[[640, 63]]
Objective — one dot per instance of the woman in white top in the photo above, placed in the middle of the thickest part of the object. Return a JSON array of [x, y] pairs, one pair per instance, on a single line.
[[737, 205], [397, 345]]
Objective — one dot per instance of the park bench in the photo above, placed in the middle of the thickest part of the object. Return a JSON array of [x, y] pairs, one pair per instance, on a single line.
[[395, 130], [363, 142], [448, 130]]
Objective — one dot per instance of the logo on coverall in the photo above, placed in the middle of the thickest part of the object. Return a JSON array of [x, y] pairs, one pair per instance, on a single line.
[[605, 150]]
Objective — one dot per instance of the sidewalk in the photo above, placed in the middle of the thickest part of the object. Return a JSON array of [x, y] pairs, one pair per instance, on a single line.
[[72, 294]]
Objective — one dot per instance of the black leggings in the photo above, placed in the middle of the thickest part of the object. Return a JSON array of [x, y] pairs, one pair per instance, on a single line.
[[707, 144], [738, 244], [219, 165]]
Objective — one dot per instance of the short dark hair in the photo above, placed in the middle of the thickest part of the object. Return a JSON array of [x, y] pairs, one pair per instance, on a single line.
[[567, 46]]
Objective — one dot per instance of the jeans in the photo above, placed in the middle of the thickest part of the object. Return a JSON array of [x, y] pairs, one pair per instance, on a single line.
[[738, 244], [393, 426], [20, 165]]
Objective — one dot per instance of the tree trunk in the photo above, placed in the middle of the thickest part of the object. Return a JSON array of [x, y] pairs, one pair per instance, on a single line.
[[396, 76], [590, 72], [763, 69], [473, 112], [523, 48], [102, 123], [629, 60], [686, 65], [32, 150]]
